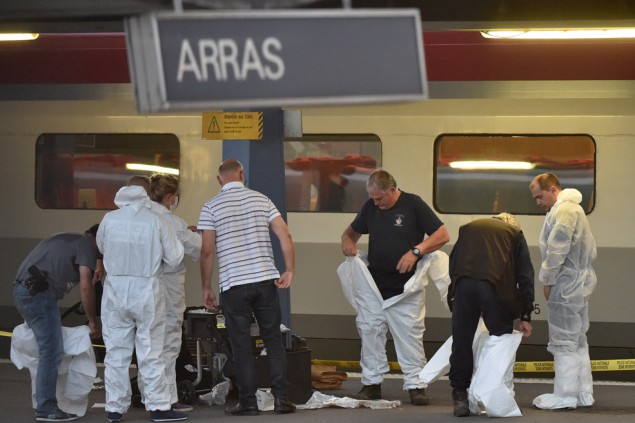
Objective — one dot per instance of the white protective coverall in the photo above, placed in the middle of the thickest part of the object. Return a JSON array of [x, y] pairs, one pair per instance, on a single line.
[[403, 314], [492, 382], [174, 281], [567, 249], [135, 241], [77, 370]]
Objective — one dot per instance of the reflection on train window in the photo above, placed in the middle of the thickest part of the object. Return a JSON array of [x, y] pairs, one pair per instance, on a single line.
[[84, 171], [490, 173], [328, 173]]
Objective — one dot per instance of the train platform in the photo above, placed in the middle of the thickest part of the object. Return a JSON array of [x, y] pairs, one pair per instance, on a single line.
[[614, 402]]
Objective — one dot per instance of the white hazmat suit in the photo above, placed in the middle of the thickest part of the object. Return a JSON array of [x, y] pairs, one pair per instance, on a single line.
[[135, 242], [567, 249], [403, 314], [174, 282]]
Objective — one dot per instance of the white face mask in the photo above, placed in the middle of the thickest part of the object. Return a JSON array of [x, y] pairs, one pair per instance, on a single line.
[[175, 204]]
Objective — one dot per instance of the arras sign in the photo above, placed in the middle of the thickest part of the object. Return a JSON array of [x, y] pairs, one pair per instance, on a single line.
[[206, 60]]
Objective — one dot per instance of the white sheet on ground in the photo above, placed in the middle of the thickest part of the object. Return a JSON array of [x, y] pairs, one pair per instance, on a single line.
[[320, 400]]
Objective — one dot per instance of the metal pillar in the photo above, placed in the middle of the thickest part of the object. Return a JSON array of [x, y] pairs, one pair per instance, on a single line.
[[263, 162]]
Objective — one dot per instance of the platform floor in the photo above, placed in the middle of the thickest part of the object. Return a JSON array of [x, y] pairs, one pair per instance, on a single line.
[[615, 402]]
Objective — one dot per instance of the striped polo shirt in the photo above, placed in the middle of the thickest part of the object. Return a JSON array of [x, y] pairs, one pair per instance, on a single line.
[[241, 216]]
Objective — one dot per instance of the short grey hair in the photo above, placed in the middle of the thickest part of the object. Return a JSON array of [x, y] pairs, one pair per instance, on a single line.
[[508, 218], [381, 180]]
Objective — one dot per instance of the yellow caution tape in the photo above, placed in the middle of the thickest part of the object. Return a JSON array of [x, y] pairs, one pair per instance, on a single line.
[[613, 365], [533, 366], [9, 334], [596, 366], [519, 367]]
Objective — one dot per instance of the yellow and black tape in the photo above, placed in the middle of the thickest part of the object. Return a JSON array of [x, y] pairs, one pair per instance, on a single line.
[[618, 365], [8, 335], [519, 367]]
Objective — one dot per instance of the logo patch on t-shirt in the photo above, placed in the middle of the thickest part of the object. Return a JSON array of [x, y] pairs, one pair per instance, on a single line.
[[399, 220]]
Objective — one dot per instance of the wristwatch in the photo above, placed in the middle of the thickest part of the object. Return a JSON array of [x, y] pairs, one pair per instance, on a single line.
[[416, 252]]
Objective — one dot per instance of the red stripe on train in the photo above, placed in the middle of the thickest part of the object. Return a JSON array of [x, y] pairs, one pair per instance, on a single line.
[[450, 56]]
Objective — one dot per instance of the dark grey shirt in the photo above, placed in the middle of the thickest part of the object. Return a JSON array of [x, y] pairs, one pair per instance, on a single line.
[[59, 257]]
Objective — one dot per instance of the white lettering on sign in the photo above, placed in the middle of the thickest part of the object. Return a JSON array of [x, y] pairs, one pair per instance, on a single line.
[[223, 59]]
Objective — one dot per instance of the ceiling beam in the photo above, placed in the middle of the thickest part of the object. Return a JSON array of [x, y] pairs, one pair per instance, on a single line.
[[46, 16]]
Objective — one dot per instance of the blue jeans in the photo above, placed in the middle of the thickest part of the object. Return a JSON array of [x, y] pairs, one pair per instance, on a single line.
[[40, 312], [238, 303]]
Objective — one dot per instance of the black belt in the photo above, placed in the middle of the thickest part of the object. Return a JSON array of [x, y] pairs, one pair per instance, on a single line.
[[247, 285], [33, 286], [382, 272]]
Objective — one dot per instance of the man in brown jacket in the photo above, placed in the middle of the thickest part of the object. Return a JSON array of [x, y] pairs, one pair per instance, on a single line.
[[492, 277]]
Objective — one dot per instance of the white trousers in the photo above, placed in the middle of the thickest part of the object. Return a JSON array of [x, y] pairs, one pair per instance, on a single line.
[[573, 380], [133, 319], [174, 309], [403, 315]]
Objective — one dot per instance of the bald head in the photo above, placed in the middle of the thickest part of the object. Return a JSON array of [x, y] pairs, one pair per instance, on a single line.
[[230, 170]]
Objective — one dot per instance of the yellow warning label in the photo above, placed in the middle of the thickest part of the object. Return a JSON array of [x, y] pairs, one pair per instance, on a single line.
[[232, 126]]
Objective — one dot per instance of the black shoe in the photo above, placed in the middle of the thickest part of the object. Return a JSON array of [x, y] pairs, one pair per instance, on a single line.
[[461, 405], [418, 396], [283, 406], [114, 417], [238, 410], [56, 415], [369, 392], [167, 416]]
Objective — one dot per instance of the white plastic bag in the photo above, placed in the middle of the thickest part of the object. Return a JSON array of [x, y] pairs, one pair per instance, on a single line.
[[77, 370], [491, 384], [218, 394]]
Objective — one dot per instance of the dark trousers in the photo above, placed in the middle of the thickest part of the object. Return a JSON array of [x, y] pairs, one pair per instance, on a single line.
[[238, 304], [473, 298]]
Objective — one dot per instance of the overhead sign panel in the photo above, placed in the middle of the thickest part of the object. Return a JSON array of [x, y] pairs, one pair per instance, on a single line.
[[203, 60]]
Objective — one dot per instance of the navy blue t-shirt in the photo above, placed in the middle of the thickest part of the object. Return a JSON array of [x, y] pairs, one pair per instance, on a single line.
[[392, 233]]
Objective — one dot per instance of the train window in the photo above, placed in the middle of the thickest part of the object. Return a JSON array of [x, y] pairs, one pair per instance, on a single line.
[[84, 171], [490, 173], [327, 173]]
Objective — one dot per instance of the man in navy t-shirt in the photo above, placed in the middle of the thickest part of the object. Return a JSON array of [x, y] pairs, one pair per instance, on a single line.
[[397, 224]]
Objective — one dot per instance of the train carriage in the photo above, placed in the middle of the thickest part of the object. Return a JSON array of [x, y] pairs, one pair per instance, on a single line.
[[75, 89]]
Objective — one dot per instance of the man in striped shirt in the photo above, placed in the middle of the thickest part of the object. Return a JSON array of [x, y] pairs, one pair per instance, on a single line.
[[235, 225]]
